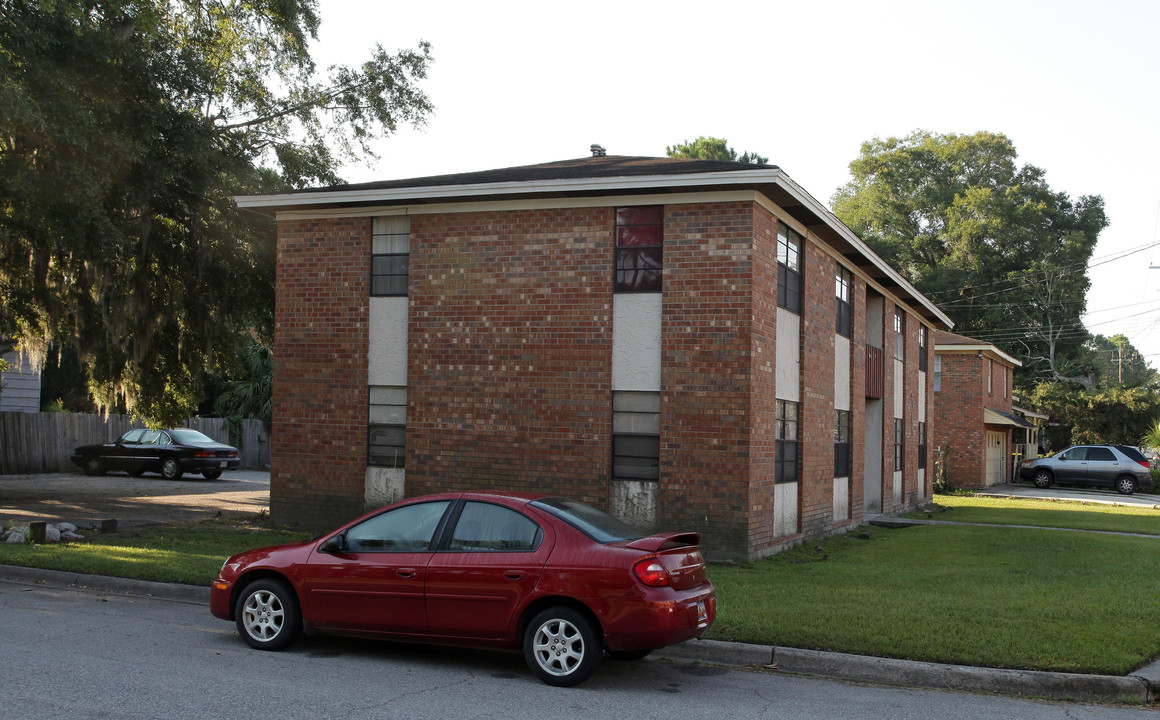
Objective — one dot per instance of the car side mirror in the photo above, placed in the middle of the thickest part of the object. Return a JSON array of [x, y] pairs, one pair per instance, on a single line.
[[334, 544]]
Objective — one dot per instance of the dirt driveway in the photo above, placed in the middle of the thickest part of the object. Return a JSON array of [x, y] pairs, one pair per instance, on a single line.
[[131, 501]]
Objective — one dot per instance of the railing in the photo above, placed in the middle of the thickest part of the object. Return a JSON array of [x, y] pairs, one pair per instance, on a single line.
[[875, 372]]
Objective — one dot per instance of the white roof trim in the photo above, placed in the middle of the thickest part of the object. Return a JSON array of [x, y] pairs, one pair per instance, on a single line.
[[977, 348], [605, 184]]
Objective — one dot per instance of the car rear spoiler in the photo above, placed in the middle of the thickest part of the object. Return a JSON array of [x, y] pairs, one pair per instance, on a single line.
[[666, 541]]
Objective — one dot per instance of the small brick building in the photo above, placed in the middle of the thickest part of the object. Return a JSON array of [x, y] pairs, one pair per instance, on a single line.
[[975, 423], [688, 344]]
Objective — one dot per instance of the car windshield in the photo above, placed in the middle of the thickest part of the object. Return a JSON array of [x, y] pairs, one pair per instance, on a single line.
[[596, 524], [190, 437]]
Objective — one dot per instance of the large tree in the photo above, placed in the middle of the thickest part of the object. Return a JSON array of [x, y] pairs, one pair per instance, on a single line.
[[710, 148], [997, 249], [126, 127]]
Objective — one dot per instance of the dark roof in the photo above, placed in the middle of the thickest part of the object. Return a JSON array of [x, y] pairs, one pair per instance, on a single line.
[[585, 168], [942, 337]]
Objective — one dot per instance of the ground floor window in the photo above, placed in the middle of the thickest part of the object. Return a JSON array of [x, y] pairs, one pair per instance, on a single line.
[[899, 429], [387, 426], [842, 428], [921, 445], [786, 459], [636, 431]]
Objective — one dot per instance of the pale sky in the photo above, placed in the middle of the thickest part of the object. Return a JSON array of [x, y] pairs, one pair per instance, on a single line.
[[1073, 84]]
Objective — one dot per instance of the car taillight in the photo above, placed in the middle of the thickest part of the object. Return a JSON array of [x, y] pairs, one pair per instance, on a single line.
[[204, 453], [1145, 464], [652, 573]]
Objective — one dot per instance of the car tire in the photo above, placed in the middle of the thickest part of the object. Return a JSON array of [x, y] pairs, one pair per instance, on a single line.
[[267, 614], [629, 654], [562, 647], [171, 469], [212, 474], [1125, 484], [138, 471], [94, 466], [1042, 479]]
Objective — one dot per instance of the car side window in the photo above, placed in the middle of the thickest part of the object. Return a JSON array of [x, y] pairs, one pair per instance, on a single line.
[[407, 529], [162, 439], [149, 438], [1075, 454], [1100, 453], [484, 527], [133, 436]]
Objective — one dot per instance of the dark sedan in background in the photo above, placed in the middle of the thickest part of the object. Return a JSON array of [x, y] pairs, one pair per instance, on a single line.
[[169, 452]]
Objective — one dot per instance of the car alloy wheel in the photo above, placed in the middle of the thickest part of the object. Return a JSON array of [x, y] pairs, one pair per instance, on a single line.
[[561, 647], [94, 466], [1125, 485], [1042, 479], [170, 469], [267, 615]]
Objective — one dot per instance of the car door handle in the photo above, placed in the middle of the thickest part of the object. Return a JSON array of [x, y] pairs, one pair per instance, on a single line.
[[515, 575], [406, 572]]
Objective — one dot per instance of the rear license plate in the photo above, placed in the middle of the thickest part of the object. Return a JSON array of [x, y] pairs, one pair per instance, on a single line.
[[223, 464], [702, 614]]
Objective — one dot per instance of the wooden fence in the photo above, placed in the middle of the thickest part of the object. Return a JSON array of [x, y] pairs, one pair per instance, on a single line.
[[44, 442]]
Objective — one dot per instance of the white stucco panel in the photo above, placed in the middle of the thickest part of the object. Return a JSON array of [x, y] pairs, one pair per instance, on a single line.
[[636, 341], [899, 385], [841, 372], [635, 502], [841, 499], [922, 397], [789, 355], [388, 341], [384, 486]]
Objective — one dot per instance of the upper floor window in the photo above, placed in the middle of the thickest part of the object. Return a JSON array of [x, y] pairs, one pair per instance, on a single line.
[[390, 254], [843, 289], [937, 373], [789, 268], [639, 248], [922, 348], [899, 335]]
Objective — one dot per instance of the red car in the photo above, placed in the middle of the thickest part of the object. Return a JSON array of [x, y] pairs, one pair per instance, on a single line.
[[556, 578]]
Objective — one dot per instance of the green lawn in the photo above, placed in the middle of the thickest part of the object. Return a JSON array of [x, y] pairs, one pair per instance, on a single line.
[[975, 595]]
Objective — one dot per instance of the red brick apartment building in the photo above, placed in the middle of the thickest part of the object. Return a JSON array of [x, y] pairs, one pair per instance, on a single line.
[[976, 427], [688, 344]]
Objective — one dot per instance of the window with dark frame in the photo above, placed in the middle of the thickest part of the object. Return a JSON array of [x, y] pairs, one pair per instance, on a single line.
[[786, 451], [387, 426], [899, 335], [938, 373], [636, 430], [639, 248], [922, 348], [843, 289], [899, 429], [390, 254], [789, 270], [842, 429], [921, 445]]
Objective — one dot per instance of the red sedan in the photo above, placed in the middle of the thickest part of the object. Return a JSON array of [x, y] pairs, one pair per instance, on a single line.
[[556, 578]]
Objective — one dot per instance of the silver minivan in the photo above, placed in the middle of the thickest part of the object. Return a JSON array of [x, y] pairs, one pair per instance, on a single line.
[[1120, 466]]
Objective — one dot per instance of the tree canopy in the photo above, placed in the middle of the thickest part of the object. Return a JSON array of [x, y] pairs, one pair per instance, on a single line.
[[710, 148], [128, 127], [989, 241]]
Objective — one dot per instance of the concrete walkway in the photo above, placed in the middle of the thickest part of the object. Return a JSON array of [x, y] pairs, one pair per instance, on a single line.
[[1140, 688]]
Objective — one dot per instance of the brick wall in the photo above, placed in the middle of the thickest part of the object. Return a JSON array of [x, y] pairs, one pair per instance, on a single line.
[[318, 435], [819, 307], [706, 415], [510, 347], [959, 419]]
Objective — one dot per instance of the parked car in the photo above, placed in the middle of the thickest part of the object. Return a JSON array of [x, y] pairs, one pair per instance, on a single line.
[[169, 452], [559, 579], [1120, 466]]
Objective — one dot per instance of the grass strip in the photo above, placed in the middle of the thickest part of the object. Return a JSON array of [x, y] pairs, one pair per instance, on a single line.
[[190, 553], [984, 596], [1078, 515]]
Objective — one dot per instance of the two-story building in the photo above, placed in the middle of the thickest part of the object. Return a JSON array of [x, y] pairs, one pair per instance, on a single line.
[[689, 344]]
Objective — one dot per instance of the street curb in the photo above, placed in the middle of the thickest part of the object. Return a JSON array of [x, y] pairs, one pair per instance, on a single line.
[[1141, 687], [103, 583], [1138, 689]]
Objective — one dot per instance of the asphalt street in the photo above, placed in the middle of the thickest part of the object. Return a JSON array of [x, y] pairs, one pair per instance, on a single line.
[[85, 654]]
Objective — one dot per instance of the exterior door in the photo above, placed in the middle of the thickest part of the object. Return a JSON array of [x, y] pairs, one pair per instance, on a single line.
[[996, 458], [1072, 466], [492, 562], [375, 581]]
